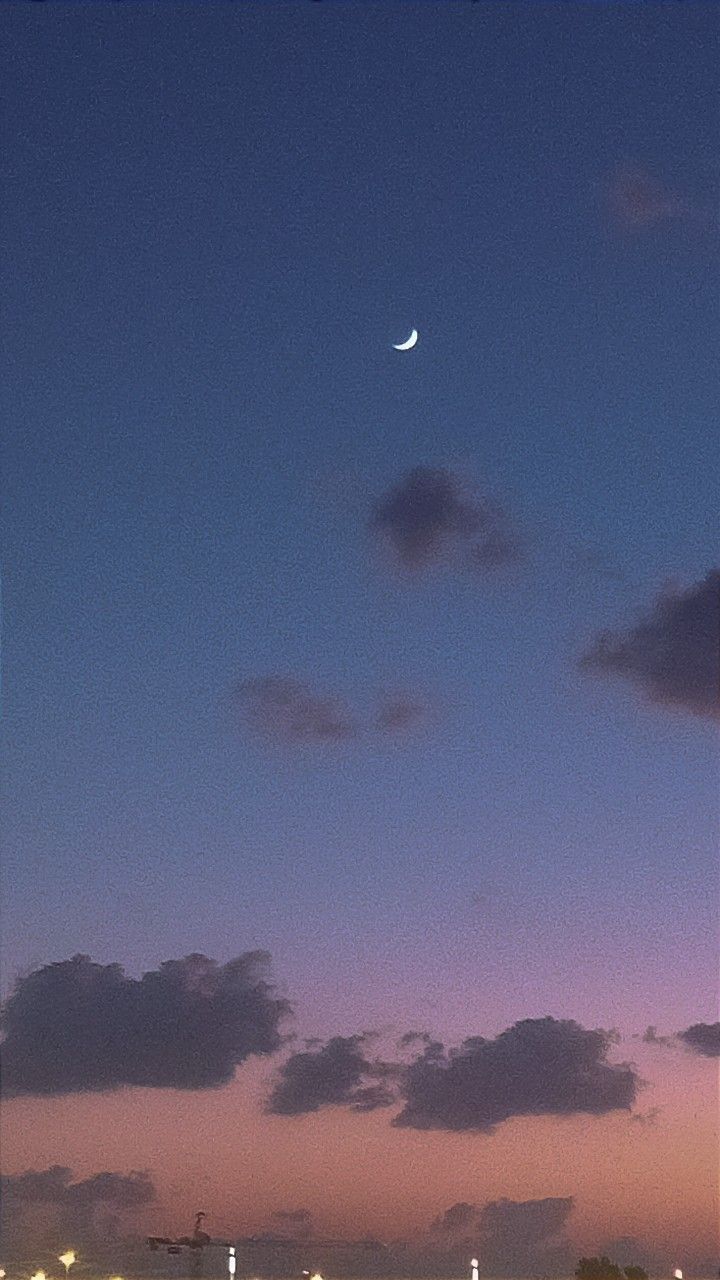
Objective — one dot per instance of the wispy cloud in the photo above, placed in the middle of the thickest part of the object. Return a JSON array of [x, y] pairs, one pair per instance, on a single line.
[[638, 199], [287, 710]]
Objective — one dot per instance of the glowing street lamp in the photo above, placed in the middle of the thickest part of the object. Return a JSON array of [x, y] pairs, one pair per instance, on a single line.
[[677, 1274], [474, 1272], [67, 1258], [232, 1260], [39, 1275]]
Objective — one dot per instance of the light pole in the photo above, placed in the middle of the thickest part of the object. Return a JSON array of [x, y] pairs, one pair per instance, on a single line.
[[67, 1258], [474, 1272], [232, 1261]]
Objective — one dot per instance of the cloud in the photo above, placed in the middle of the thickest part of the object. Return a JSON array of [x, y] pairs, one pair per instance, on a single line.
[[337, 1074], [539, 1066], [427, 519], [77, 1026], [671, 655], [525, 1237], [43, 1207], [702, 1038], [649, 1117], [287, 710], [458, 1219], [295, 1224], [398, 712], [638, 200]]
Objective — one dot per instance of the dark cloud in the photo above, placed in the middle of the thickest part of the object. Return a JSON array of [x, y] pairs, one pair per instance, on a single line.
[[702, 1038], [536, 1067], [399, 712], [427, 518], [41, 1208], [337, 1074], [295, 1224], [639, 200], [525, 1237], [77, 1026], [458, 1219], [673, 655], [288, 711]]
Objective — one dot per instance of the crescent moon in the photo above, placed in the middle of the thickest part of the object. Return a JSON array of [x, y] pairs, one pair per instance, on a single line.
[[405, 346]]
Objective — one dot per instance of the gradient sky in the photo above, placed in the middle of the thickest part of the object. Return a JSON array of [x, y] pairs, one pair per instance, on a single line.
[[217, 220]]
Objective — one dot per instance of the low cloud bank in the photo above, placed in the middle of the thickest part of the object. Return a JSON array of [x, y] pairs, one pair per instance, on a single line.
[[44, 1209]]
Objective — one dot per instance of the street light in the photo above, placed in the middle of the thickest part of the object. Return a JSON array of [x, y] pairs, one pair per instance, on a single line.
[[67, 1258], [474, 1272]]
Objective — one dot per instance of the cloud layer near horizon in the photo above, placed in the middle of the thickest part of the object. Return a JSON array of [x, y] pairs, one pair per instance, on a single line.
[[77, 1026], [510, 1237], [41, 1207]]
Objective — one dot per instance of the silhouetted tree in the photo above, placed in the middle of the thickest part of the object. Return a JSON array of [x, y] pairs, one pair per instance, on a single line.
[[636, 1273], [598, 1269]]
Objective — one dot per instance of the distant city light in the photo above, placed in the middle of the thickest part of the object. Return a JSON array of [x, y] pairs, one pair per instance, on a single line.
[[39, 1275], [677, 1273], [67, 1258], [232, 1260], [474, 1273]]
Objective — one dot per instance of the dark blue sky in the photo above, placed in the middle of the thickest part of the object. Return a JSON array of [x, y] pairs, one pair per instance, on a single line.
[[217, 220]]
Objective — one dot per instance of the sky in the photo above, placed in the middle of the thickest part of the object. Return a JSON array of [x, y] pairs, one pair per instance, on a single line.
[[386, 681]]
